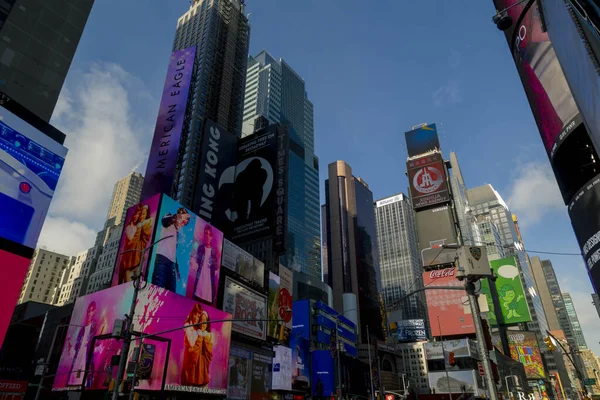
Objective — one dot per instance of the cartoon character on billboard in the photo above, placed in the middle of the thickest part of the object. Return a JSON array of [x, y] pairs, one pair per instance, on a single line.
[[207, 276], [510, 301], [166, 269], [78, 351], [138, 232], [198, 349]]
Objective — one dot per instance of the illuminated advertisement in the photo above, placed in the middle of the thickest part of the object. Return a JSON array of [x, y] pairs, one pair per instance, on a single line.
[[323, 383], [301, 319], [244, 303], [422, 140], [14, 269], [300, 362], [195, 358], [169, 124], [511, 294], [187, 261], [460, 348], [445, 307], [260, 384], [524, 348], [453, 382], [486, 291], [543, 79], [243, 263], [427, 179], [280, 305], [138, 235], [30, 165], [239, 373], [410, 330], [282, 368]]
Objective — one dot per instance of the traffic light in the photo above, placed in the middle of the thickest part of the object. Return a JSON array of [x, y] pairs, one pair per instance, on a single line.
[[549, 343]]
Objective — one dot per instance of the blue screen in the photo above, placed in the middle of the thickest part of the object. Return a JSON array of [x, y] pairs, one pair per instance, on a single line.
[[15, 217], [322, 373], [301, 319]]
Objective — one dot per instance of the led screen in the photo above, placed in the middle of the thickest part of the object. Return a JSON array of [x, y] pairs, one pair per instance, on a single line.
[[322, 373], [422, 140], [14, 269]]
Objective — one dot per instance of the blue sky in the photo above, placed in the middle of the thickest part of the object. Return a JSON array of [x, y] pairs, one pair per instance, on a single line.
[[371, 70]]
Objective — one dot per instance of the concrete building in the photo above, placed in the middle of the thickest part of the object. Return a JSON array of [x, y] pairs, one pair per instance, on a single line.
[[39, 39], [592, 369], [557, 300], [596, 302], [126, 193], [75, 279], [412, 363], [489, 236], [399, 259], [42, 283], [574, 320], [275, 93], [101, 278]]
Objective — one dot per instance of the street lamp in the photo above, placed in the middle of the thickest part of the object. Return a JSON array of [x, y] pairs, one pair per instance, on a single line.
[[502, 20]]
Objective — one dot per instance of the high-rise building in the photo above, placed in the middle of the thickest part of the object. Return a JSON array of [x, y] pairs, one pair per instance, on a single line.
[[558, 301], [102, 276], [596, 302], [39, 39], [75, 279], [591, 369], [126, 193], [275, 93], [42, 283], [574, 320], [352, 268], [399, 259]]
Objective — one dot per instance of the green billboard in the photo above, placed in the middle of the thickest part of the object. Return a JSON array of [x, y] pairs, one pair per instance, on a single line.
[[511, 294], [485, 290]]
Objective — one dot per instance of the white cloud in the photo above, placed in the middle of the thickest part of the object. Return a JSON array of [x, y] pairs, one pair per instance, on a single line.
[[534, 193], [66, 237], [449, 93]]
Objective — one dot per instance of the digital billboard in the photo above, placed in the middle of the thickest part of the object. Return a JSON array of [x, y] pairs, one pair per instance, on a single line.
[[138, 234], [423, 139], [511, 294], [244, 303], [164, 149], [30, 165], [410, 330], [14, 269], [460, 348], [435, 227], [453, 381], [543, 79], [427, 181], [301, 319], [586, 225], [323, 380], [188, 260], [486, 291], [243, 263], [282, 368], [524, 348], [300, 362], [280, 305], [445, 307], [239, 373], [195, 358], [260, 384]]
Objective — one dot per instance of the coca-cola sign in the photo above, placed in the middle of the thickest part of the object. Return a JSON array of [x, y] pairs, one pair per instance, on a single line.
[[442, 273]]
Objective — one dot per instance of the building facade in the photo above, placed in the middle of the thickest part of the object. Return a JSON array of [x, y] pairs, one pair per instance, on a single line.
[[75, 279], [558, 301], [102, 276], [399, 259], [574, 320], [275, 93], [596, 302], [42, 283], [39, 40], [126, 193], [412, 364]]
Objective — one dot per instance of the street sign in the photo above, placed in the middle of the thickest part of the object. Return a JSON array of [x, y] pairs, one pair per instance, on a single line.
[[590, 382]]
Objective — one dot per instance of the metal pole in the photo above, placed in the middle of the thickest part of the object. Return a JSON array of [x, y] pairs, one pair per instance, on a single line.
[[444, 357], [370, 364], [135, 369], [485, 359]]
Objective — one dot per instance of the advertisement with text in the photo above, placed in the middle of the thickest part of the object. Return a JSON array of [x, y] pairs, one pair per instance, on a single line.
[[525, 349], [427, 179], [243, 263], [244, 303], [239, 373]]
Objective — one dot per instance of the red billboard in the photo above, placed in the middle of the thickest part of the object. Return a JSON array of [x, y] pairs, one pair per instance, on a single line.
[[427, 179], [446, 308], [14, 269]]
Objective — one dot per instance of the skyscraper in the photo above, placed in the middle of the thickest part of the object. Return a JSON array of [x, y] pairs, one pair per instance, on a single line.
[[399, 259], [558, 301], [39, 39], [275, 93], [352, 267], [574, 320], [42, 283], [126, 193]]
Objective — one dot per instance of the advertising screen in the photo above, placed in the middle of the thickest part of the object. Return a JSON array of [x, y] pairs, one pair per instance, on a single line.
[[138, 234], [322, 373], [411, 330], [260, 385], [427, 179], [239, 373], [243, 263], [510, 291], [587, 226], [280, 305], [485, 291], [188, 260], [435, 226], [300, 362], [422, 140], [301, 319], [195, 357], [460, 348], [282, 368], [169, 124], [524, 348], [244, 303], [453, 381], [445, 307], [14, 269], [30, 165], [543, 79]]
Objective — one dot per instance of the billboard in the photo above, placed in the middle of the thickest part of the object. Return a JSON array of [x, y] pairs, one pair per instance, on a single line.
[[214, 183], [543, 79], [524, 348], [486, 291], [410, 330], [260, 384], [453, 382], [435, 227], [282, 368], [244, 303], [323, 383], [460, 348], [300, 362], [280, 304], [30, 165], [188, 260], [192, 359], [423, 139], [587, 226], [239, 373], [138, 234], [164, 149], [243, 263], [301, 319], [511, 294], [14, 269], [427, 181], [445, 307]]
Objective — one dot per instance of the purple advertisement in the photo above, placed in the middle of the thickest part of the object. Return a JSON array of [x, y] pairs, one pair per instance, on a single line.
[[169, 124]]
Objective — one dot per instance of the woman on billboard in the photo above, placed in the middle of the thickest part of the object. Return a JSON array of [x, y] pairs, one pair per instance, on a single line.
[[197, 352], [78, 351], [207, 278], [137, 235]]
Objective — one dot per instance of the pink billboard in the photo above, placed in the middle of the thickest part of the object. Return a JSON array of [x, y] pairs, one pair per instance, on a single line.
[[194, 358], [14, 269], [138, 234]]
